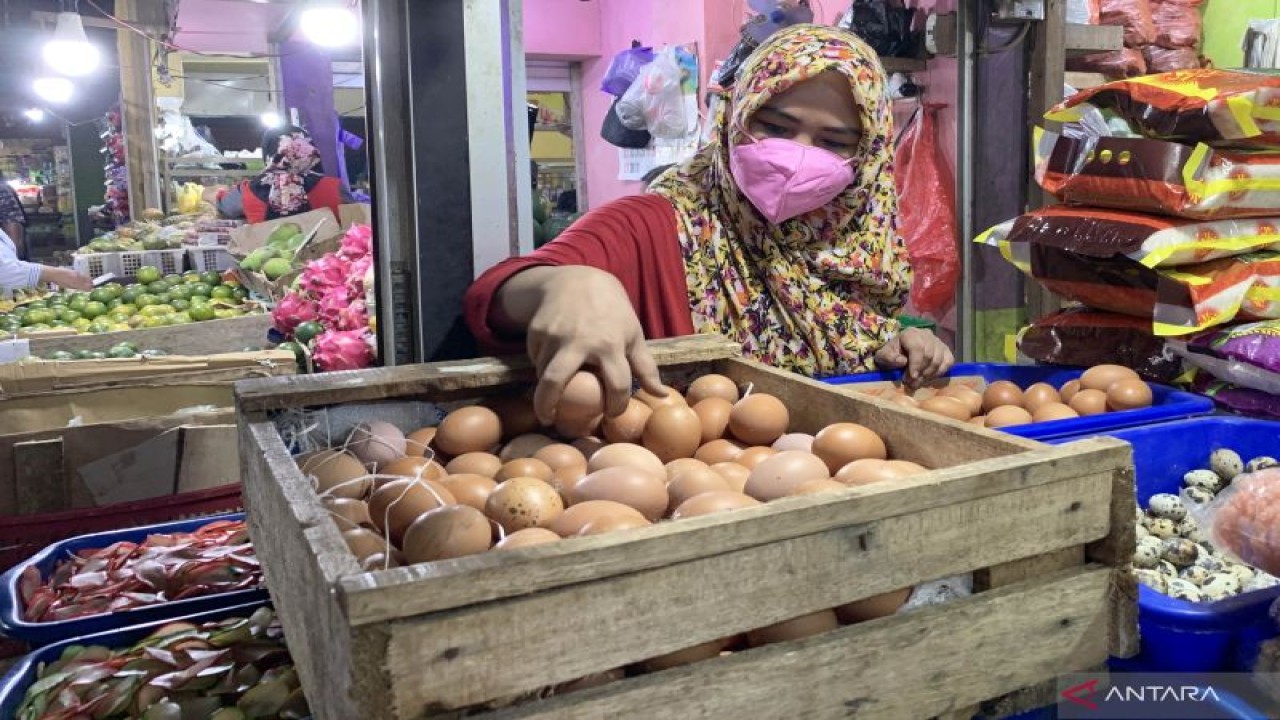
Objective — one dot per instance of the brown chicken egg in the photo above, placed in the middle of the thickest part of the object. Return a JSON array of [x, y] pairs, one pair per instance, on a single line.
[[839, 444], [781, 474], [364, 543], [574, 518], [734, 474], [336, 473], [905, 401], [713, 414], [794, 441], [583, 397], [1128, 394], [377, 443], [688, 656], [1102, 377], [1001, 392], [566, 479], [713, 502], [572, 428], [478, 463], [447, 532], [694, 482], [1069, 390], [472, 490], [673, 432], [1039, 395], [946, 407], [675, 467], [1007, 416], [469, 429], [712, 386], [418, 442], [527, 538], [865, 472], [525, 468], [517, 415], [394, 506], [1053, 411], [379, 561], [971, 398], [629, 426], [718, 451], [524, 446], [817, 487], [904, 468], [627, 455], [612, 523], [632, 486], [523, 502], [654, 402], [877, 606], [348, 514], [588, 446], [753, 456], [759, 419], [794, 629], [413, 467], [560, 455], [1089, 402], [980, 421]]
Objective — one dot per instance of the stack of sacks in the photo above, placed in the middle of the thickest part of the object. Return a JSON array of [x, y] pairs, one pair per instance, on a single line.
[[1171, 232], [1159, 36], [1238, 366]]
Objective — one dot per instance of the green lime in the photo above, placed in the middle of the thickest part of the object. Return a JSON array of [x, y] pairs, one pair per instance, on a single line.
[[222, 292], [94, 309], [131, 293], [100, 326], [114, 288], [172, 278], [121, 352], [155, 310], [180, 291], [102, 295], [146, 299], [84, 354], [148, 274], [201, 311], [179, 318], [119, 317], [113, 304], [158, 287], [61, 355], [180, 303], [241, 294], [210, 277], [201, 288], [124, 309], [307, 331], [69, 316], [82, 325], [154, 322]]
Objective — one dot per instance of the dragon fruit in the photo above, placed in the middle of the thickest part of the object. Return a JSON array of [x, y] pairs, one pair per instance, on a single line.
[[357, 243], [342, 350], [320, 276], [343, 313], [293, 310]]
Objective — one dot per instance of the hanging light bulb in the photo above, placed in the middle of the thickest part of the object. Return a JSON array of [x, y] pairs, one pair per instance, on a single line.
[[35, 115], [70, 52], [330, 24], [56, 90], [270, 119]]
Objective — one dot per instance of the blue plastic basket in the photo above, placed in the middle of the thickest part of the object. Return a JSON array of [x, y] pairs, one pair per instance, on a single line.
[[14, 684], [1167, 403], [1178, 635], [37, 634]]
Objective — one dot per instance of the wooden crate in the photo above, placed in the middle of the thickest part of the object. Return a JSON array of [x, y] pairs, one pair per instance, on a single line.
[[203, 338], [1048, 532]]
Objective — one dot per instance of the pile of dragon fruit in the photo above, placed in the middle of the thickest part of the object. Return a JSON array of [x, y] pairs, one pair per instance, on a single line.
[[327, 314]]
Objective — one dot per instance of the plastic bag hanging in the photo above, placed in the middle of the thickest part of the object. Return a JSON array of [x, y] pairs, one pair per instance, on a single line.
[[885, 25], [655, 101], [625, 67], [926, 215]]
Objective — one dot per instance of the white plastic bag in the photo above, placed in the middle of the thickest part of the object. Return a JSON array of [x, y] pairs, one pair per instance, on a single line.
[[654, 102]]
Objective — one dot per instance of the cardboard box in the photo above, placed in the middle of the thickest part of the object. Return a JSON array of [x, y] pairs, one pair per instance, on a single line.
[[56, 411], [47, 376], [325, 237], [178, 460], [210, 337]]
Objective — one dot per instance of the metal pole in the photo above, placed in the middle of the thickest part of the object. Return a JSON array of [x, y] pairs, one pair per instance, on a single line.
[[966, 330]]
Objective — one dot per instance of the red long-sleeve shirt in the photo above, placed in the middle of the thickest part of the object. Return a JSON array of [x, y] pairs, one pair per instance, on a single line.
[[634, 239]]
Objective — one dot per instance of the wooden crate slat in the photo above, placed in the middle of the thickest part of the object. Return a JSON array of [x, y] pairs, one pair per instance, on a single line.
[[496, 649], [402, 592], [40, 477], [916, 665], [1116, 550]]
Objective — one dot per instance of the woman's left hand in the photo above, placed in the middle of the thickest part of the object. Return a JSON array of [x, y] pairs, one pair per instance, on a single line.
[[920, 352]]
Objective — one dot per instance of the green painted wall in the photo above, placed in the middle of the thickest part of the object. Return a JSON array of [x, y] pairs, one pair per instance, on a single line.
[[1224, 25]]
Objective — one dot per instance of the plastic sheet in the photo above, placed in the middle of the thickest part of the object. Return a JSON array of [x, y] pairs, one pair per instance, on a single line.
[[1125, 63], [1244, 401], [1135, 16], [655, 101], [1177, 25], [885, 25], [1195, 182], [1084, 12], [1245, 355], [1218, 107], [927, 215], [1163, 60], [1084, 338], [1244, 519]]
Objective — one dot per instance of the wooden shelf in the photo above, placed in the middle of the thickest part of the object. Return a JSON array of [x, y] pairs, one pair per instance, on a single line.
[[1089, 39], [1085, 80], [903, 65]]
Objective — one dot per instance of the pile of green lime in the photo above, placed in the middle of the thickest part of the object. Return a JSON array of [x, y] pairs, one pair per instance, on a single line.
[[276, 258], [155, 300], [127, 350]]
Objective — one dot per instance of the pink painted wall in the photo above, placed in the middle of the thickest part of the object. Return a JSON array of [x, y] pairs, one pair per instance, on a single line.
[[568, 29]]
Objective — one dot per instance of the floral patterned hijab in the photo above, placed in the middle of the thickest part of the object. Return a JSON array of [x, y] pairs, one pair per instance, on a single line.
[[815, 294], [290, 173]]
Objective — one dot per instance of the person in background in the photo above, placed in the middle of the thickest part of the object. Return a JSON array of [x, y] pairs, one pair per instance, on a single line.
[[292, 183], [13, 218], [780, 233], [17, 274]]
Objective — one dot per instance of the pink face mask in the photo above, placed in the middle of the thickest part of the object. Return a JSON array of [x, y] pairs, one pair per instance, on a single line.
[[785, 179]]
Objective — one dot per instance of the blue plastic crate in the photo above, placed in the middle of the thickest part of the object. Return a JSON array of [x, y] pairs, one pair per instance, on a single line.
[[1182, 636], [1167, 403], [14, 684], [37, 634]]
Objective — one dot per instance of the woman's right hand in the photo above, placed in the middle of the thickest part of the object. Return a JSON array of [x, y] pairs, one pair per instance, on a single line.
[[69, 279], [586, 319]]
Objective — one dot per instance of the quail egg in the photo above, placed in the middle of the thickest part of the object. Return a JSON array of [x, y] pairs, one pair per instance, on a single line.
[[1242, 573], [1261, 462], [1140, 531], [1220, 586], [1147, 554], [1210, 562], [1226, 463], [1203, 479], [1180, 551], [1261, 581], [1197, 495], [1167, 568], [1162, 528], [1195, 574], [1183, 590], [1151, 579], [1167, 505], [1187, 527]]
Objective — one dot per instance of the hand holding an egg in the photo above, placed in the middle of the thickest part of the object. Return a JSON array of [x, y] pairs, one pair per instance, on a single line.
[[920, 352]]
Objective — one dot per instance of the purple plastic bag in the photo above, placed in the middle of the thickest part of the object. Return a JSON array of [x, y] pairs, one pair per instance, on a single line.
[[1257, 344], [1254, 403], [624, 68]]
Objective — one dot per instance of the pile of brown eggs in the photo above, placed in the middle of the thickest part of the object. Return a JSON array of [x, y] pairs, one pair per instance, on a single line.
[[489, 478], [1101, 389]]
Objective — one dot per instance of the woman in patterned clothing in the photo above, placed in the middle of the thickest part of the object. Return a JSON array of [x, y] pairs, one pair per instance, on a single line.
[[779, 233]]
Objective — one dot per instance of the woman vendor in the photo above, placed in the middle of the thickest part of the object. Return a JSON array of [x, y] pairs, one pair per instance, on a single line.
[[779, 233], [292, 183]]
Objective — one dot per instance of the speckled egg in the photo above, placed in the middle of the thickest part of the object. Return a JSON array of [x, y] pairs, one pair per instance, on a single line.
[[1180, 551], [1141, 531], [1167, 505], [1261, 462], [1151, 579], [1146, 555], [1197, 495], [1220, 587], [1180, 589], [1210, 562], [1203, 479], [1261, 581], [1188, 528], [1162, 528], [1242, 573], [1195, 574], [1226, 463], [1164, 567]]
